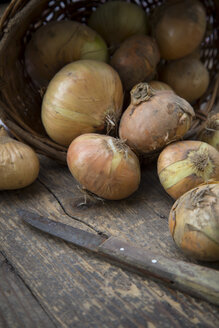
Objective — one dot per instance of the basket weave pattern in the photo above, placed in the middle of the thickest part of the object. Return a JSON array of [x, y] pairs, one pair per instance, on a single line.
[[20, 102]]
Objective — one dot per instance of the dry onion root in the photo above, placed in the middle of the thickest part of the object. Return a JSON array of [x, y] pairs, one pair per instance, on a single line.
[[104, 166], [58, 43], [19, 164], [84, 96], [186, 164], [194, 222], [210, 132], [154, 119]]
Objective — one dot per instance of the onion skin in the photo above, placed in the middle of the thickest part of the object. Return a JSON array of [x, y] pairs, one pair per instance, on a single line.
[[154, 119], [58, 43], [19, 164], [115, 21], [136, 60], [80, 99], [159, 86], [179, 27], [210, 132], [188, 77], [194, 222], [104, 166], [184, 165]]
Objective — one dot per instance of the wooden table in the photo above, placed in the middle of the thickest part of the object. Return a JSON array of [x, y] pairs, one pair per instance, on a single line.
[[46, 282]]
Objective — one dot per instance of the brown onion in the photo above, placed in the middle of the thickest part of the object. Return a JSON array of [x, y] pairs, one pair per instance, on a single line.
[[194, 222], [159, 86], [104, 166], [58, 43], [188, 77], [210, 132], [179, 27], [19, 164], [84, 96], [186, 164], [154, 119], [136, 60]]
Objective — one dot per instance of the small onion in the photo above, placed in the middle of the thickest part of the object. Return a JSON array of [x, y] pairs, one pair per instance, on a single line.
[[58, 43], [210, 132], [136, 60], [159, 86], [194, 222], [186, 164], [84, 96], [115, 21], [19, 164], [188, 77], [154, 119], [104, 166], [179, 27]]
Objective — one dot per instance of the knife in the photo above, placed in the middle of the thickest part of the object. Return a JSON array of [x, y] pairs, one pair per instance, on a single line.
[[191, 278]]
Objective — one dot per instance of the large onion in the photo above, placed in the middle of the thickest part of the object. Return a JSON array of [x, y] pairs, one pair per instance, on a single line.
[[186, 164], [136, 60], [115, 21], [84, 96], [179, 27], [104, 166], [188, 77], [58, 43], [194, 222], [159, 86], [210, 132], [154, 119]]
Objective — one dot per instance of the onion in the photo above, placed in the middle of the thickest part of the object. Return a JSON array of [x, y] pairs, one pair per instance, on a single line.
[[115, 21], [186, 164], [154, 119], [210, 132], [136, 60], [104, 166], [179, 27], [159, 86], [194, 222], [19, 164], [188, 77], [84, 96], [58, 43]]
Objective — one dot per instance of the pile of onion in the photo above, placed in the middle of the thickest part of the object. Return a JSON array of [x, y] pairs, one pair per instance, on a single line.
[[183, 165], [84, 96], [58, 43], [179, 27], [154, 119], [194, 222], [136, 60], [210, 131], [104, 166]]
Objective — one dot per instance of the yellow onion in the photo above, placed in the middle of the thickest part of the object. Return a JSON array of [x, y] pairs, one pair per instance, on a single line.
[[210, 132], [115, 21], [104, 166], [179, 27], [183, 165], [19, 164], [159, 86], [58, 43], [188, 77], [194, 222], [136, 60], [153, 119], [84, 96]]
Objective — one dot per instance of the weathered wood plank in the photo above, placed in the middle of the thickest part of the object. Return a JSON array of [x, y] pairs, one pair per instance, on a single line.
[[74, 287], [18, 307]]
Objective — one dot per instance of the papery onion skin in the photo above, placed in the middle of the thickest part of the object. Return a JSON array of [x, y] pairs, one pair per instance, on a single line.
[[80, 98], [159, 85], [194, 222], [183, 165], [136, 60], [188, 77], [104, 166], [154, 119], [19, 164], [59, 43], [210, 132], [115, 21], [179, 27]]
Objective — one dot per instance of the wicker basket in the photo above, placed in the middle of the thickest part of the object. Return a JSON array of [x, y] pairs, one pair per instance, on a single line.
[[20, 102]]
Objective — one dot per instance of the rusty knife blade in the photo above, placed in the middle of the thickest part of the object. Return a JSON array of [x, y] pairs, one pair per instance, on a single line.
[[196, 280]]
